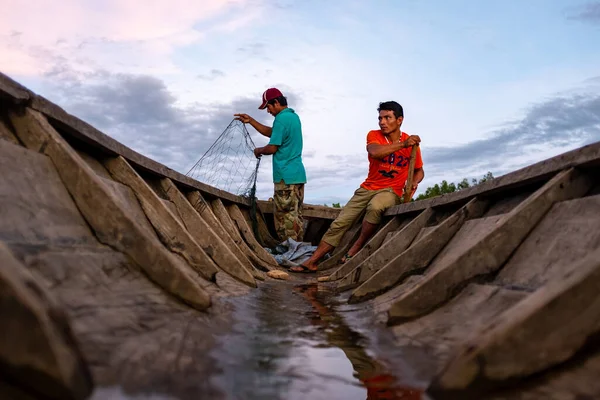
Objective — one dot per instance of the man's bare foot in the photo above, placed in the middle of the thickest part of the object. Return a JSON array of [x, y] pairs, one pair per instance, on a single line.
[[304, 268], [346, 258]]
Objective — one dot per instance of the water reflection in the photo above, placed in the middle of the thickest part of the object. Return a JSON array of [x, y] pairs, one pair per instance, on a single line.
[[288, 342], [373, 376]]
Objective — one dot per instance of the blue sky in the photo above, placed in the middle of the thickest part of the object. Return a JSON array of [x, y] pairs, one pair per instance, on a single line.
[[489, 86]]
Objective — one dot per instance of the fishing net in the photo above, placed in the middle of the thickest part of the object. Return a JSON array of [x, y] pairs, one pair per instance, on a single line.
[[229, 164]]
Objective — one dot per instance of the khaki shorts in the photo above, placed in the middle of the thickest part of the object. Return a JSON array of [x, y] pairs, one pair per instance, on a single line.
[[372, 202]]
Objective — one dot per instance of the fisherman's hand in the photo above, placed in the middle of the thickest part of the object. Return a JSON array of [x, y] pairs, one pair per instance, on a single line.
[[413, 140], [245, 118], [257, 152]]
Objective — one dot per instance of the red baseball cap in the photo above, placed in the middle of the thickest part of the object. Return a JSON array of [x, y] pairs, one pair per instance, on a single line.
[[269, 94]]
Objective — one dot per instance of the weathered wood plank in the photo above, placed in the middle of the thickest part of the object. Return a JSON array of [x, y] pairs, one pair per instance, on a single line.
[[218, 208], [418, 256], [170, 231], [265, 238], [13, 91], [97, 139], [347, 241], [488, 254], [541, 331], [308, 210], [384, 253], [538, 172], [242, 225], [372, 245], [208, 240], [98, 205], [6, 133], [37, 342], [204, 209]]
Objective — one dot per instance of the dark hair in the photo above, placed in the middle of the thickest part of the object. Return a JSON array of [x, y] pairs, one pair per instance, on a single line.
[[281, 100], [392, 106]]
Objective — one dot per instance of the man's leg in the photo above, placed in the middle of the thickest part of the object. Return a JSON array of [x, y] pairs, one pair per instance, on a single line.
[[288, 200], [350, 212], [375, 209]]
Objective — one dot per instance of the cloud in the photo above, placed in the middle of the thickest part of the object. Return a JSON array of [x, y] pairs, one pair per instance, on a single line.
[[212, 75], [547, 128], [143, 114], [589, 12], [115, 34]]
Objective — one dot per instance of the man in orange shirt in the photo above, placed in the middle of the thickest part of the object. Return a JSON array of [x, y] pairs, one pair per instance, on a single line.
[[389, 153]]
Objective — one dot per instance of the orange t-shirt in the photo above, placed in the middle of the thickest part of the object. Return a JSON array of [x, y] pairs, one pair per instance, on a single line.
[[392, 170]]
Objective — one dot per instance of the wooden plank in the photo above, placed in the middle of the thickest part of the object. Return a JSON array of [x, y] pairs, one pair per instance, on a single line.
[[265, 238], [491, 252], [6, 133], [543, 330], [347, 241], [368, 249], [218, 208], [586, 156], [11, 90], [208, 240], [37, 340], [418, 256], [383, 254], [170, 231], [242, 225], [204, 209], [308, 210], [101, 209], [88, 134]]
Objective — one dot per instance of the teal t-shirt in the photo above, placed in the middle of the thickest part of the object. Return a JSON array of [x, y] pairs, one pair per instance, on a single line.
[[287, 160]]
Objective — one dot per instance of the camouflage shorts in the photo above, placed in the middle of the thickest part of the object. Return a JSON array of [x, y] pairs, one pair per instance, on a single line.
[[288, 201]]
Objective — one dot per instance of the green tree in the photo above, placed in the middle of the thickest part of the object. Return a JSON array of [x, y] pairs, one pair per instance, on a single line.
[[444, 187]]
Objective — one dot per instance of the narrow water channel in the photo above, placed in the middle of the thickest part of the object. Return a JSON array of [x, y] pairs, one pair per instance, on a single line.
[[293, 341], [290, 342]]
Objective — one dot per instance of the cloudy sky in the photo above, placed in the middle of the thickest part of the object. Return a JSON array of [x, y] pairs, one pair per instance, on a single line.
[[489, 86]]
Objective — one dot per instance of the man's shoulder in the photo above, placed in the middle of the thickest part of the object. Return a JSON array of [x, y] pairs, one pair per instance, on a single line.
[[287, 113], [374, 134], [288, 117]]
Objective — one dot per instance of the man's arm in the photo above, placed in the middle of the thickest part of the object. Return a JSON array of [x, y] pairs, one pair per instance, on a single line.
[[379, 151], [266, 150], [262, 129]]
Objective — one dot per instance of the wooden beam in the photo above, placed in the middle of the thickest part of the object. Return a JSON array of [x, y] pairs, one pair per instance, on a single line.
[[242, 225], [347, 241], [108, 218], [14, 92], [208, 240], [308, 210], [383, 254], [170, 231], [37, 343], [543, 330], [204, 208], [418, 256], [223, 216], [488, 254]]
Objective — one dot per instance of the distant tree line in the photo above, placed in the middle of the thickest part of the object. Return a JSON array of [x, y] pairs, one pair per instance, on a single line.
[[444, 187]]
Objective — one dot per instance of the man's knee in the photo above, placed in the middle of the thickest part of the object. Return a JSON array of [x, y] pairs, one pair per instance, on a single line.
[[378, 204]]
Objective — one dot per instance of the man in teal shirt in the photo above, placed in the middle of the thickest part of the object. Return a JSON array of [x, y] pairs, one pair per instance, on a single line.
[[289, 175]]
